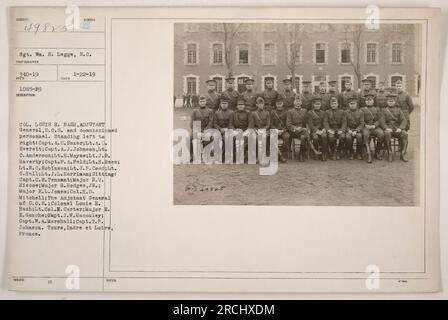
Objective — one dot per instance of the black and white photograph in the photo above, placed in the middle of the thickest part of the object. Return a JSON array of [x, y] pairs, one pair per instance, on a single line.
[[333, 109]]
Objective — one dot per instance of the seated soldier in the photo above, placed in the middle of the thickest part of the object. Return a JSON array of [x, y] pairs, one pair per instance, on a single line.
[[373, 124], [260, 121], [355, 124], [335, 125], [316, 125], [223, 121], [241, 121], [395, 125], [296, 122], [278, 121], [204, 115]]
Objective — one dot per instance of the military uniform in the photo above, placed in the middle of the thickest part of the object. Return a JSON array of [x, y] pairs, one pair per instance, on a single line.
[[296, 123], [249, 100], [316, 122], [363, 94], [223, 119], [325, 98], [381, 99], [269, 96], [241, 119], [260, 119], [288, 98], [346, 96], [278, 121], [232, 96], [373, 117], [306, 98], [204, 115], [355, 122], [404, 101], [395, 119], [336, 121], [212, 100]]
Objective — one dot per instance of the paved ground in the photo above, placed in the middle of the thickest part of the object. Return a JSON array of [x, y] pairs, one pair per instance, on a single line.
[[336, 183]]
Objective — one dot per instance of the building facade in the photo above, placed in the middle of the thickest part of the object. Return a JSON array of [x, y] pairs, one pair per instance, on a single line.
[[319, 52]]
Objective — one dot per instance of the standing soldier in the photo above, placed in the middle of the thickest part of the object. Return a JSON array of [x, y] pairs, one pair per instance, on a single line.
[[333, 91], [366, 89], [395, 125], [211, 95], [269, 95], [335, 125], [381, 96], [223, 120], [296, 122], [249, 96], [205, 116], [348, 94], [306, 95], [230, 94], [373, 124], [316, 120], [288, 94], [404, 102], [278, 121], [325, 97], [355, 124]]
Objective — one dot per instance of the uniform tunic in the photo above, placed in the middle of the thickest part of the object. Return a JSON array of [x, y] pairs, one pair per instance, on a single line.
[[223, 119], [204, 115], [250, 98], [212, 99], [269, 96], [241, 119], [260, 120], [232, 96]]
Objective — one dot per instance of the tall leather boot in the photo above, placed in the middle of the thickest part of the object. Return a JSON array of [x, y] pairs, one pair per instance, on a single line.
[[404, 150], [369, 155]]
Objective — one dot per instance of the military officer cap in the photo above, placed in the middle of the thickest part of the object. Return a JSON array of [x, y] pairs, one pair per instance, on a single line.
[[369, 95], [249, 81], [260, 99], [321, 83], [287, 80], [210, 81], [351, 99], [228, 79], [224, 99], [306, 82], [316, 98], [202, 97], [398, 82], [241, 100], [366, 81], [332, 82], [391, 95]]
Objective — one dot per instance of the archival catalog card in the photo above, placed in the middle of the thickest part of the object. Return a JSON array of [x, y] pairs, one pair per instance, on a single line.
[[224, 149]]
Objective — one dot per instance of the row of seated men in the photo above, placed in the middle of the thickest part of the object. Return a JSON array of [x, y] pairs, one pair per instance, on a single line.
[[334, 132]]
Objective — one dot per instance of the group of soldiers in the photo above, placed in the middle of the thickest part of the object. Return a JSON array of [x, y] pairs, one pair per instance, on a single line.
[[324, 123]]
